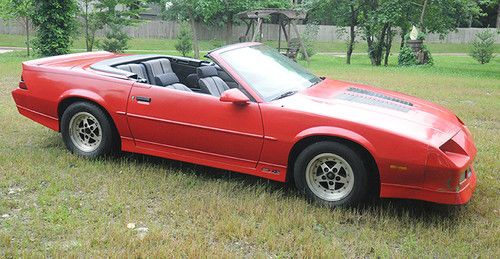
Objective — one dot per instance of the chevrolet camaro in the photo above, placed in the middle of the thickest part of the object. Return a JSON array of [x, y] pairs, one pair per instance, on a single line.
[[250, 109]]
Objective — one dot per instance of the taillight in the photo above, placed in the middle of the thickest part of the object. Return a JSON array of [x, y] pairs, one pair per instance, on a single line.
[[22, 84]]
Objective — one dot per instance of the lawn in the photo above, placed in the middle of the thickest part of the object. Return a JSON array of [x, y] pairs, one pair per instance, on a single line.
[[8, 40], [53, 203]]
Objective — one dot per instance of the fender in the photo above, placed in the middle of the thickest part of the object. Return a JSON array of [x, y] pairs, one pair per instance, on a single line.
[[336, 132], [78, 93], [116, 114], [82, 93]]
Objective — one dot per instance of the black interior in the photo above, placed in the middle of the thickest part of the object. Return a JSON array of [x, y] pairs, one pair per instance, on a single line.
[[181, 74]]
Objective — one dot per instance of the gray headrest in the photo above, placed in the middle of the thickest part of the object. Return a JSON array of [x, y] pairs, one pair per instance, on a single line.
[[206, 71], [166, 79]]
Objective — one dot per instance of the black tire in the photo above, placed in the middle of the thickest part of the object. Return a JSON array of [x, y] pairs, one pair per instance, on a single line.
[[107, 142], [358, 190]]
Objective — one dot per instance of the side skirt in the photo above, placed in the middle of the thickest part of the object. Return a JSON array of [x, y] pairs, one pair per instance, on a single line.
[[264, 170]]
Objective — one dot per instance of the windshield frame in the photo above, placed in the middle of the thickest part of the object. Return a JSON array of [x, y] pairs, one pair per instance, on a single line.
[[216, 56]]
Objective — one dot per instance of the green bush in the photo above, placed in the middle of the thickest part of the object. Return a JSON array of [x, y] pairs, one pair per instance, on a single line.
[[215, 43], [483, 46], [309, 37], [406, 57], [56, 24], [409, 58], [115, 41], [184, 42], [427, 52]]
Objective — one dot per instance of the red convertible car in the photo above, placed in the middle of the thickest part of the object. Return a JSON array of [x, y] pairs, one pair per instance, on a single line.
[[254, 111]]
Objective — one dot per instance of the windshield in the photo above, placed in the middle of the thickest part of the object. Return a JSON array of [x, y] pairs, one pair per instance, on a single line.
[[268, 72]]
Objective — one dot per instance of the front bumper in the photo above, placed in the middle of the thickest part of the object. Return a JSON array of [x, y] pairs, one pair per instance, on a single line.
[[461, 196]]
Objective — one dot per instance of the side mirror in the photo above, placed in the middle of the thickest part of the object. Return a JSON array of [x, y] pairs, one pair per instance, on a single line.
[[234, 96]]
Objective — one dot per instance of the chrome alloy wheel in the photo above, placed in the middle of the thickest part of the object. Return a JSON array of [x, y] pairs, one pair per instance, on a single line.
[[85, 131], [329, 177]]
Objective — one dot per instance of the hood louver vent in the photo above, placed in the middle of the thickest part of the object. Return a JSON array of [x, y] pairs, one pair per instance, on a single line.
[[378, 95], [373, 98]]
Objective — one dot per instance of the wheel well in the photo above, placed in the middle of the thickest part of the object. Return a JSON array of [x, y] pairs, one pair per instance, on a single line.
[[367, 157], [64, 104]]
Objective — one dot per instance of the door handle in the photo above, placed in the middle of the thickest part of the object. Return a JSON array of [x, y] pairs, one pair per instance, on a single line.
[[143, 99]]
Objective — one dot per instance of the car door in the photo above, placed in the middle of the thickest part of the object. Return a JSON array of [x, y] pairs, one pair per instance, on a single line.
[[195, 125]]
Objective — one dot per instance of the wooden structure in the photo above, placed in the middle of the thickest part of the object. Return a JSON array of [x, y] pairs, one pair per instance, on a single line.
[[285, 18]]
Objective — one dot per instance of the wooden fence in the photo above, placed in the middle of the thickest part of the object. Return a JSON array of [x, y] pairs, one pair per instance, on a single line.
[[326, 33]]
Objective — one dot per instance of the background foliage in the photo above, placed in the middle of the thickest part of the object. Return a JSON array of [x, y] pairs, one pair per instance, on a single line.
[[20, 10], [184, 42], [483, 46], [378, 19], [56, 24]]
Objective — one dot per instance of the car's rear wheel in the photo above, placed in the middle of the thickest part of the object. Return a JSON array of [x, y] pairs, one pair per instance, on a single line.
[[86, 130], [331, 174]]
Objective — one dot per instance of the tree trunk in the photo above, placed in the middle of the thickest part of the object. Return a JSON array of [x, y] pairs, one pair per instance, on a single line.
[[376, 46], [352, 35], [301, 42], [369, 42], [404, 31], [422, 14], [196, 48], [388, 45], [92, 38], [229, 31], [87, 36], [27, 28], [498, 16]]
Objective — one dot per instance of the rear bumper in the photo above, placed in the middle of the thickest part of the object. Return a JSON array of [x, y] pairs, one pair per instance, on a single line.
[[23, 99], [459, 197]]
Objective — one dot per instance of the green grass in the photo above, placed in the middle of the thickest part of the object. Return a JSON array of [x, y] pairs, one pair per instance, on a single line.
[[62, 205], [8, 40]]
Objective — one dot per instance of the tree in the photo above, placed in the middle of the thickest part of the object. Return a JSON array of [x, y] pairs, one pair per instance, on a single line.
[[22, 11], [442, 16], [212, 12], [483, 46], [185, 10], [340, 13], [184, 41], [116, 39], [498, 17], [90, 21], [378, 18], [222, 12], [116, 15], [56, 24]]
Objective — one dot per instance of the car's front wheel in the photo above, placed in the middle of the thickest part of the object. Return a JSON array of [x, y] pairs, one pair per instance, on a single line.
[[86, 130], [331, 174]]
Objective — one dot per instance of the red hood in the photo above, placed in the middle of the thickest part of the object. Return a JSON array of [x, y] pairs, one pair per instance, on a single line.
[[376, 108]]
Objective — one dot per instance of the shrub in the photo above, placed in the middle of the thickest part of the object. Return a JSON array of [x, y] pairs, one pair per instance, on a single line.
[[309, 37], [409, 58], [482, 46], [428, 56], [56, 24], [215, 43], [406, 57], [116, 40], [184, 42]]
